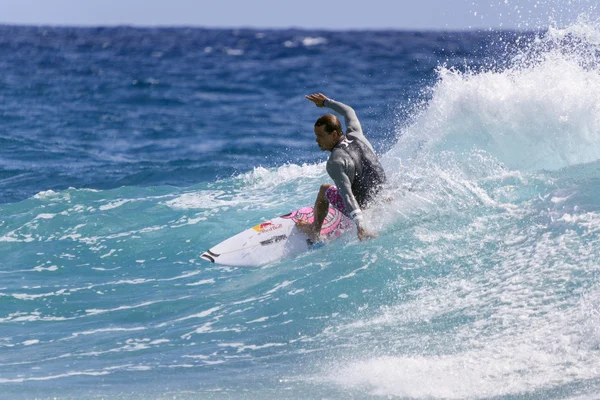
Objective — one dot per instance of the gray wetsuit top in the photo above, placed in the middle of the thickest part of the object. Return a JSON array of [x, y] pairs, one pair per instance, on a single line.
[[353, 164]]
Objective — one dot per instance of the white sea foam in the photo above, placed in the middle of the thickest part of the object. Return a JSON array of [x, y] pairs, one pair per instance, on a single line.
[[202, 282], [93, 311], [206, 199], [45, 216], [263, 178], [50, 268], [24, 296], [241, 347], [104, 330], [543, 112], [305, 41], [280, 286], [114, 204], [524, 331], [313, 41], [202, 314], [30, 317], [234, 52], [57, 376]]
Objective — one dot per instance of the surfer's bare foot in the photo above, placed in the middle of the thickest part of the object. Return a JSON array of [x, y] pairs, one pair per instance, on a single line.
[[309, 230]]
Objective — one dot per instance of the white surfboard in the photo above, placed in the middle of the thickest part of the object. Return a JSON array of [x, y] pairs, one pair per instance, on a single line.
[[275, 239]]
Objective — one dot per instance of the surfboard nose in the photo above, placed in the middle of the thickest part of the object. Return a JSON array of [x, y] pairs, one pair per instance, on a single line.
[[209, 255]]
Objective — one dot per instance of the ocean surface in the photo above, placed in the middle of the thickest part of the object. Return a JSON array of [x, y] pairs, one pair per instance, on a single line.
[[127, 152]]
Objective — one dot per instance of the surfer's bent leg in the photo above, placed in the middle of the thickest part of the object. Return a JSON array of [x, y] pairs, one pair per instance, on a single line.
[[321, 207], [320, 212]]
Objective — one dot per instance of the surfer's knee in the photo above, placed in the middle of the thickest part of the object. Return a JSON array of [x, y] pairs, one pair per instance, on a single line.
[[323, 190], [322, 197]]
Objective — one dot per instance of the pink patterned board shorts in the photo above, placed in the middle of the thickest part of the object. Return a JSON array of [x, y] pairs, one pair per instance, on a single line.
[[335, 199], [333, 225]]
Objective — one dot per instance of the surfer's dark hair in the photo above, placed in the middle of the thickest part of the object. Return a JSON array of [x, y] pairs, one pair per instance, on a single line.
[[331, 123]]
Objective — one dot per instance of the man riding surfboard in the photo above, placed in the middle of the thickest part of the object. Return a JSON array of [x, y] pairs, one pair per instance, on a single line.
[[353, 166]]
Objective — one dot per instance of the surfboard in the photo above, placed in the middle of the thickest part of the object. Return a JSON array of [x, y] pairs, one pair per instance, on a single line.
[[275, 239]]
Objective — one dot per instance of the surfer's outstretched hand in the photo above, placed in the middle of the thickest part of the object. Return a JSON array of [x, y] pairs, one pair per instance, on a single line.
[[364, 234], [309, 230], [317, 98]]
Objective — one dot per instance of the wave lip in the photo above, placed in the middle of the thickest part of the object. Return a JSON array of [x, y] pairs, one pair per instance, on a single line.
[[540, 113]]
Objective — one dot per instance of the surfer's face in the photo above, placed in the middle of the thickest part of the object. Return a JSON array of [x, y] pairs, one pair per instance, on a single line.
[[326, 140]]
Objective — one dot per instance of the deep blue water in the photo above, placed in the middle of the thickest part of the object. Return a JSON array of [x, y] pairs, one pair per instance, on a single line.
[[111, 107], [126, 152]]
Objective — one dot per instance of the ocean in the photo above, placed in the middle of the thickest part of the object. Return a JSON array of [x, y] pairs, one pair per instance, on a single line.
[[127, 152]]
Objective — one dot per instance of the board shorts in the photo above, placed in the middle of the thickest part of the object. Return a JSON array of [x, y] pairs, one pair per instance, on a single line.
[[335, 199]]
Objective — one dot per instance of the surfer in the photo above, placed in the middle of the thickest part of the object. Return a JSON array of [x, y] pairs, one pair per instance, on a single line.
[[353, 166]]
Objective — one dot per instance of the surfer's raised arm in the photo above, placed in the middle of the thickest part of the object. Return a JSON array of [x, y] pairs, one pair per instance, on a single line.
[[350, 118], [353, 166]]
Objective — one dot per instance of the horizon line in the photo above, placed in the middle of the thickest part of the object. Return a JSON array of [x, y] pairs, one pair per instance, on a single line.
[[257, 28]]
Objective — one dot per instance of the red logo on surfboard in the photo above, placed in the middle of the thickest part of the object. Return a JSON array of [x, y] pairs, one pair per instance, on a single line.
[[266, 227]]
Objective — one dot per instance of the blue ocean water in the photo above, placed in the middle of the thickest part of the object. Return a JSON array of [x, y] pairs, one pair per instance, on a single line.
[[126, 152]]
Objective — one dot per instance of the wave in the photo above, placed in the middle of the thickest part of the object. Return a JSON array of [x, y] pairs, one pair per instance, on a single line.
[[542, 112]]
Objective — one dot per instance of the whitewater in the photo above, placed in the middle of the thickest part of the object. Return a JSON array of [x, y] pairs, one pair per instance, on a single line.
[[481, 284]]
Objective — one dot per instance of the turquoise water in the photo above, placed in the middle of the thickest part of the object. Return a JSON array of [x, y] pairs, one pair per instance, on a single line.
[[481, 284]]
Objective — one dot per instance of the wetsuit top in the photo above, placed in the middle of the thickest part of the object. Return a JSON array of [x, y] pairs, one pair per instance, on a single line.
[[353, 164]]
